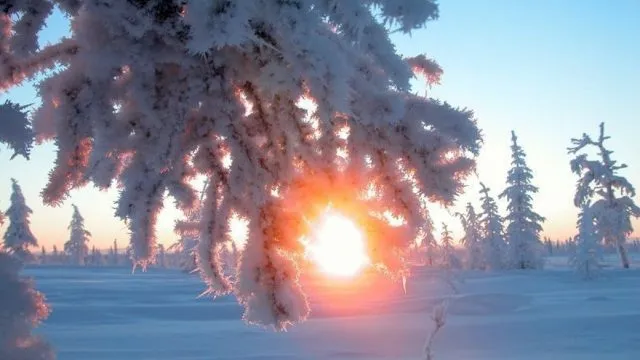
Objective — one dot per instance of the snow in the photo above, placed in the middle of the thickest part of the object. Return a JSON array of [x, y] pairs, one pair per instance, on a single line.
[[108, 313], [149, 95]]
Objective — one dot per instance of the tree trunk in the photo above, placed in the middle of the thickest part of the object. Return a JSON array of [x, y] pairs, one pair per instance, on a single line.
[[623, 256]]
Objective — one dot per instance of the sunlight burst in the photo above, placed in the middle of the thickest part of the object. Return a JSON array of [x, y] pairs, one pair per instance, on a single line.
[[337, 246]]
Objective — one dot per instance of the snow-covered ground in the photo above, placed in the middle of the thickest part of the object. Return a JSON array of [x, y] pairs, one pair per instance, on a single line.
[[107, 313]]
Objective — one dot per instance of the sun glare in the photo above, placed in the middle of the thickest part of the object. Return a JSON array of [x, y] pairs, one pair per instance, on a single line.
[[337, 246]]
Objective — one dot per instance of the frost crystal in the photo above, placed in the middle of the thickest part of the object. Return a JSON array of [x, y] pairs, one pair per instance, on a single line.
[[155, 92]]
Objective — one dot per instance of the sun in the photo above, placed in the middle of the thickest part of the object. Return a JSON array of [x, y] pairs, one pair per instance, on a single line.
[[337, 246]]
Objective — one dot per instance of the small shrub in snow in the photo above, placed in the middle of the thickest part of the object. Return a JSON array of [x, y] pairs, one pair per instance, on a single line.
[[438, 316]]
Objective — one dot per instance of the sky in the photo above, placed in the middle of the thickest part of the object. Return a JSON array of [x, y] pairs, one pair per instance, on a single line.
[[549, 70]]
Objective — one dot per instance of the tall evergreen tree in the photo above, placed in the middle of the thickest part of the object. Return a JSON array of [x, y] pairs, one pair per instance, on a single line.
[[493, 244], [609, 194], [161, 260], [55, 255], [472, 239], [523, 224], [43, 255], [96, 257], [115, 260], [586, 254], [18, 238], [77, 246], [449, 258], [428, 249], [548, 245]]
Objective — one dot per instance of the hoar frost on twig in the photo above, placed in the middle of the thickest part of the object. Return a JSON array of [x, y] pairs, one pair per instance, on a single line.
[[135, 104]]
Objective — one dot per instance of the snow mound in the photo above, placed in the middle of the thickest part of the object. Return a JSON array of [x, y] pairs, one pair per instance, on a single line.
[[488, 304]]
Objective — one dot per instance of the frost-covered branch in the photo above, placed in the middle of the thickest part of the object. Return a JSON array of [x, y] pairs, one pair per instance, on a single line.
[[438, 317], [15, 129], [259, 97], [23, 308]]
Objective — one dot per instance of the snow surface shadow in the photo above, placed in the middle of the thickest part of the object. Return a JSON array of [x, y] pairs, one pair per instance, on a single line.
[[488, 304], [107, 314]]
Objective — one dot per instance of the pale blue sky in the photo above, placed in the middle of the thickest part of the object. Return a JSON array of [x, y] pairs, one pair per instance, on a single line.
[[548, 69]]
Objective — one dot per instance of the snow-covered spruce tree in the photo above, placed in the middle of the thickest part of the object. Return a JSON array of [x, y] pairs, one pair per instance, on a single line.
[[428, 248], [493, 244], [115, 256], [586, 254], [155, 92], [472, 239], [21, 306], [96, 258], [161, 259], [77, 246], [43, 255], [609, 195], [18, 237], [522, 234], [548, 246], [449, 258], [55, 255]]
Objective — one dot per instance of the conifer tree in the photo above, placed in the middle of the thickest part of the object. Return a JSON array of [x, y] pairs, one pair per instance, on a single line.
[[116, 256], [523, 224], [472, 239], [55, 255], [77, 246], [449, 258], [608, 194], [161, 259], [43, 255], [586, 254], [18, 237], [429, 249], [493, 244], [96, 257]]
